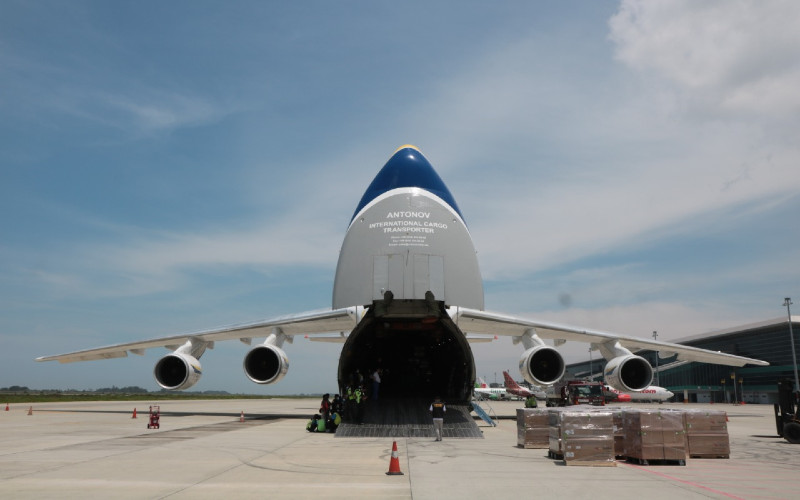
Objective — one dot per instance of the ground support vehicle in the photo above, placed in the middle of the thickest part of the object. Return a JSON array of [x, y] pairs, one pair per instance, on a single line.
[[155, 416], [787, 412], [576, 392]]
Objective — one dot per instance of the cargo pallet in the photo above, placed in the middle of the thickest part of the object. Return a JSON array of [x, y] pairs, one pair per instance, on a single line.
[[533, 446], [591, 463], [653, 461]]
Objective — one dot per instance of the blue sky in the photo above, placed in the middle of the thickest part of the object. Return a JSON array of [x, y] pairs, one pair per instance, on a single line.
[[168, 167]]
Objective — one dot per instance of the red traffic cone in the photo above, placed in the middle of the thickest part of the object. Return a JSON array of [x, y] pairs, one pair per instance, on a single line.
[[30, 410], [394, 463], [241, 418], [134, 413], [6, 406]]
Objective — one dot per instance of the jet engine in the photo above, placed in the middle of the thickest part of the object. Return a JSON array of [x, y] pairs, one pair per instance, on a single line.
[[541, 365], [177, 371], [266, 364], [629, 373]]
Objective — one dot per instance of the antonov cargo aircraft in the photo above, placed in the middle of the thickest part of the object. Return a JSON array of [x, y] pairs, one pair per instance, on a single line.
[[407, 292]]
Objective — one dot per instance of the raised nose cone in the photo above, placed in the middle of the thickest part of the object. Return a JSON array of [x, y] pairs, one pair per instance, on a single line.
[[407, 168]]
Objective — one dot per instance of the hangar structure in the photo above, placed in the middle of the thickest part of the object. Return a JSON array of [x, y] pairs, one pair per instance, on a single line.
[[705, 383]]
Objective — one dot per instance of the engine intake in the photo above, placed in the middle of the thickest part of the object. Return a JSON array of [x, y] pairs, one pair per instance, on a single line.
[[541, 365], [177, 371], [266, 364], [629, 373]]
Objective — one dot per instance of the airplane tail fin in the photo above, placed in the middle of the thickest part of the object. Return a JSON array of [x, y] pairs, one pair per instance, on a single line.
[[480, 383], [510, 383]]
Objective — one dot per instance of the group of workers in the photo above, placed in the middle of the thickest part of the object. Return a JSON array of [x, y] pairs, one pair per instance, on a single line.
[[348, 408], [329, 416], [351, 407]]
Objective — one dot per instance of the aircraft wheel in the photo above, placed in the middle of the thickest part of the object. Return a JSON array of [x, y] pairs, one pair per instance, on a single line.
[[791, 432]]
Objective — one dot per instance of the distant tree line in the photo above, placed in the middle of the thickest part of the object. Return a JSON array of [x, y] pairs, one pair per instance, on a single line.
[[131, 389]]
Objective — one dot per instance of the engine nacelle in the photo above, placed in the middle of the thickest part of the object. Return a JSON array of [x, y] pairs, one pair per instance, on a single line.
[[177, 371], [541, 365], [266, 364], [629, 373]]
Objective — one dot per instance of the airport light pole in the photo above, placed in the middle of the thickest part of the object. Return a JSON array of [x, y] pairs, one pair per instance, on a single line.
[[658, 380], [590, 363], [787, 302]]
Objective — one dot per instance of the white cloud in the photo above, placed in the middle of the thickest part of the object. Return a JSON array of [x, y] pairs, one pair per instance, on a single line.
[[159, 110], [588, 168], [580, 167], [741, 56]]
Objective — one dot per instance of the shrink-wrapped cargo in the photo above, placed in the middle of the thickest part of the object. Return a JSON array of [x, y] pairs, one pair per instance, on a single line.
[[654, 435], [586, 437], [707, 433], [532, 428]]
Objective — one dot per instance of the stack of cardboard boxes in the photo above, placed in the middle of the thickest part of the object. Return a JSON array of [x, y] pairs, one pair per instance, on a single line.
[[654, 435], [619, 430], [554, 433], [581, 436], [532, 428], [707, 433], [587, 435]]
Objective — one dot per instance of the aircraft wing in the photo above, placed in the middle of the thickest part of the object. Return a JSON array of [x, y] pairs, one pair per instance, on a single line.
[[481, 322], [310, 323]]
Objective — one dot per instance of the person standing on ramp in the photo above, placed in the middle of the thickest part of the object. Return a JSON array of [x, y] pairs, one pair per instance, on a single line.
[[438, 408]]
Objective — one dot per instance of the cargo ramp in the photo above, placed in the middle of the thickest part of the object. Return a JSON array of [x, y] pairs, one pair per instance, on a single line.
[[407, 417]]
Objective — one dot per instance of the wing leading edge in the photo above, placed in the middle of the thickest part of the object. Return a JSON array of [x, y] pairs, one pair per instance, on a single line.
[[310, 323], [481, 322]]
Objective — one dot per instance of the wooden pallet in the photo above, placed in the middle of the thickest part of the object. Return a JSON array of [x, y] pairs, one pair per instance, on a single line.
[[529, 446], [591, 463], [651, 461]]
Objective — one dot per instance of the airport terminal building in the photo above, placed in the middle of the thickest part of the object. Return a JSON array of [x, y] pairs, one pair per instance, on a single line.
[[701, 382]]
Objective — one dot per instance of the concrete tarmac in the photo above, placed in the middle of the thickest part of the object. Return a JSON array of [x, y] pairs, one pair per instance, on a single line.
[[202, 450]]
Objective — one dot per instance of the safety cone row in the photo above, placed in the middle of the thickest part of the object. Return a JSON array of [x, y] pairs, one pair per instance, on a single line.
[[394, 463], [134, 413]]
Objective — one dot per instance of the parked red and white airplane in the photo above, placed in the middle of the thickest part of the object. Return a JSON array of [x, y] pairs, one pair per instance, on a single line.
[[513, 388], [482, 391], [651, 393], [406, 293]]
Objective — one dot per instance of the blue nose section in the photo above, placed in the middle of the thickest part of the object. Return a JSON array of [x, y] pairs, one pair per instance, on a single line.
[[407, 168]]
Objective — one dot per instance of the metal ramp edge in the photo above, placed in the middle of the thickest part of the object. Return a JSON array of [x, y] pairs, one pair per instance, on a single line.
[[476, 407], [458, 423]]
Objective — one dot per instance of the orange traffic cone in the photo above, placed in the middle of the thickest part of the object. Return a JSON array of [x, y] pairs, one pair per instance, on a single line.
[[30, 410], [134, 413], [241, 418], [6, 406], [394, 463]]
